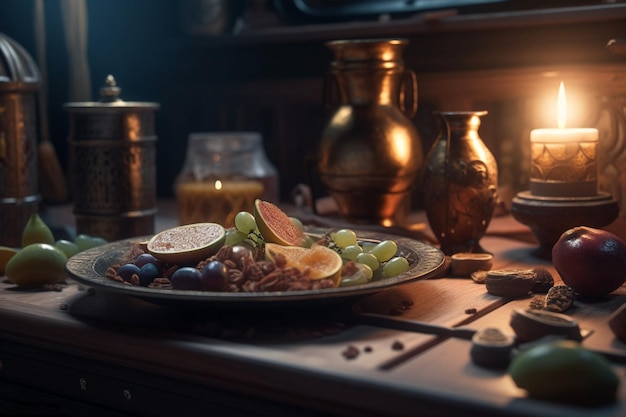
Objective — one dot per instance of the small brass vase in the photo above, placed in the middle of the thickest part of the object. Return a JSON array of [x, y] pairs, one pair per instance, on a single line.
[[370, 153], [460, 183]]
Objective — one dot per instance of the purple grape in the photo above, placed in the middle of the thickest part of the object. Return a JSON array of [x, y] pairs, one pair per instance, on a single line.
[[240, 252], [186, 278], [146, 258], [148, 273], [214, 276], [127, 271]]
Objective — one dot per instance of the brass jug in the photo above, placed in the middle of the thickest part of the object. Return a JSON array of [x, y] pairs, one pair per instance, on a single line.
[[370, 153], [460, 179]]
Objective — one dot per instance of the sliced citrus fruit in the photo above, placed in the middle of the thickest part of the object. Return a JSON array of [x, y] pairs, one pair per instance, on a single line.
[[187, 244], [275, 225], [316, 262]]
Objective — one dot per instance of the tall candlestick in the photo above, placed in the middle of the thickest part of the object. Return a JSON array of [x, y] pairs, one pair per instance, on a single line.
[[563, 159]]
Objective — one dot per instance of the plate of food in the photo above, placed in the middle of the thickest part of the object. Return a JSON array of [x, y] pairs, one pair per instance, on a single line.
[[208, 266]]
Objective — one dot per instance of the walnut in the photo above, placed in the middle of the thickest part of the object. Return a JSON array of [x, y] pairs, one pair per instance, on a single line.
[[250, 286], [253, 272], [236, 277], [225, 252], [267, 266]]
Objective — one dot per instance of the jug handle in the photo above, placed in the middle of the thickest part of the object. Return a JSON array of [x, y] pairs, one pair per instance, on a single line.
[[330, 92], [409, 79]]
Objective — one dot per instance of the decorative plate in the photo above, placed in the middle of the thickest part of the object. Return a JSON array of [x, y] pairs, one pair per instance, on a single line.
[[89, 268]]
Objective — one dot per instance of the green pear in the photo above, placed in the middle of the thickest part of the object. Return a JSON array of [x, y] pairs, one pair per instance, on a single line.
[[36, 231], [36, 265]]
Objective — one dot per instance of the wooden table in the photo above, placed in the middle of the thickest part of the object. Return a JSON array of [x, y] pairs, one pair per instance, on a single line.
[[84, 352]]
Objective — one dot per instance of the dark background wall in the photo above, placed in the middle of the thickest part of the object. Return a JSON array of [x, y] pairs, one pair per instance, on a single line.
[[270, 77], [126, 38], [143, 44]]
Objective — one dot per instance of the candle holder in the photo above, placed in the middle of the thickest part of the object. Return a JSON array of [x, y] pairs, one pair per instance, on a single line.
[[549, 217], [563, 183]]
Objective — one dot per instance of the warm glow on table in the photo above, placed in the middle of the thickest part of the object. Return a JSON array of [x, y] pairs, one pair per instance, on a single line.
[[563, 159]]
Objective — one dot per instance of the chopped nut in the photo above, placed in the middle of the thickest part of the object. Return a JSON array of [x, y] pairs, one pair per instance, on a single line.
[[351, 352], [543, 281], [397, 345], [479, 276], [559, 298]]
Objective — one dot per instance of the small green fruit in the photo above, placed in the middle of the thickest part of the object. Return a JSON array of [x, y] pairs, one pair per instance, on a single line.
[[6, 253], [36, 231], [84, 242], [565, 372], [68, 248], [36, 265]]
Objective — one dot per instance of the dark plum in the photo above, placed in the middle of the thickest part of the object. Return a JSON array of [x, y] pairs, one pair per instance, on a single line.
[[214, 276], [146, 258], [186, 278], [148, 273], [240, 252], [127, 271]]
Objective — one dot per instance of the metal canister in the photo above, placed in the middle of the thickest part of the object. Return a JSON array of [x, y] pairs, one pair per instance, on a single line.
[[19, 85], [113, 165]]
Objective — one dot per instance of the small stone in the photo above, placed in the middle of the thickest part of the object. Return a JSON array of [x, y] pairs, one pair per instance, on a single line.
[[531, 325], [543, 281], [491, 348], [510, 282]]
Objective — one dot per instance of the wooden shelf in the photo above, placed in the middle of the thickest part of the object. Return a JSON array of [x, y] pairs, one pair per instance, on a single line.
[[423, 23]]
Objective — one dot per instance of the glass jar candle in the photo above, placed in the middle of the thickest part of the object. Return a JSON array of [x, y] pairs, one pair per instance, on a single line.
[[223, 173]]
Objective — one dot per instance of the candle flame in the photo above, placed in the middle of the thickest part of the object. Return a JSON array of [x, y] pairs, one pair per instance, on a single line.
[[561, 107], [218, 184]]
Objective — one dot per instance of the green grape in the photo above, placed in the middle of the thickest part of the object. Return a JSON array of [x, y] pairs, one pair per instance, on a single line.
[[245, 222], [395, 266], [344, 238], [68, 248], [98, 241], [85, 241], [368, 246], [363, 274], [234, 237], [298, 223], [351, 252], [385, 250], [368, 259]]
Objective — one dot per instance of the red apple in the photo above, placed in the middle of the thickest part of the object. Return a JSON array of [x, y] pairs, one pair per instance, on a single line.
[[591, 261]]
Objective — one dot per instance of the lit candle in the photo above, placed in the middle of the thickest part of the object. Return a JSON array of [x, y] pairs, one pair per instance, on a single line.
[[563, 159], [216, 201]]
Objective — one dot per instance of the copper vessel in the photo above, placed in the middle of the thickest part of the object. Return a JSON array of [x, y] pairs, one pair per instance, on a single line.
[[113, 165], [370, 153], [19, 190], [460, 183]]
